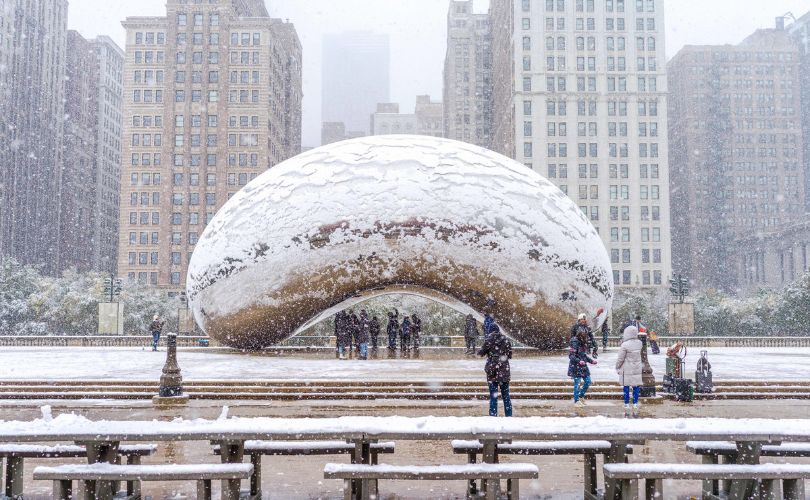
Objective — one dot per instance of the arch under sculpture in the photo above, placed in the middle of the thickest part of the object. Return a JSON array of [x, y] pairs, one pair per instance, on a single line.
[[413, 211]]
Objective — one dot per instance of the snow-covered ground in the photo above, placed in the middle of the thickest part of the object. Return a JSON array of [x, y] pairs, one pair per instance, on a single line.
[[98, 363]]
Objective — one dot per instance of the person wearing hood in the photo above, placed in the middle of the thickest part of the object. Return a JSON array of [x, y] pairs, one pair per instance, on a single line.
[[498, 350], [156, 328], [405, 335], [392, 330], [629, 365], [470, 333]]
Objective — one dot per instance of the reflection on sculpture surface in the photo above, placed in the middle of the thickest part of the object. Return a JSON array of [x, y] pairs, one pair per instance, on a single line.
[[376, 212]]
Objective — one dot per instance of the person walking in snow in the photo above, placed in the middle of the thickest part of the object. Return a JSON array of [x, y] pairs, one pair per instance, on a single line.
[[416, 332], [629, 366], [489, 322], [470, 333], [156, 328], [354, 329], [363, 334], [498, 350], [582, 324], [343, 333], [392, 330], [578, 361], [375, 332], [405, 339]]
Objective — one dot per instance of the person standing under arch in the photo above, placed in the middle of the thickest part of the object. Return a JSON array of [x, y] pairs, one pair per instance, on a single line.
[[498, 350]]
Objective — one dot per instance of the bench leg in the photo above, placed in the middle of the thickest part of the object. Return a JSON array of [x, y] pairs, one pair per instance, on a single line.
[[472, 487], [347, 489], [590, 474], [204, 489], [710, 487], [90, 490], [14, 476], [616, 455], [654, 489], [256, 477], [628, 489], [62, 490], [134, 487], [489, 455], [793, 489], [766, 489], [748, 453], [231, 453], [513, 489]]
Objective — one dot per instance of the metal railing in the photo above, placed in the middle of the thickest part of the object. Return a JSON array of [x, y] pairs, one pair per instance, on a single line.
[[92, 340]]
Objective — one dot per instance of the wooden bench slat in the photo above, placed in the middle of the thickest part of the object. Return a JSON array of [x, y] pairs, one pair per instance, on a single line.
[[169, 472], [709, 471], [431, 472], [730, 448], [538, 447], [280, 448], [68, 450]]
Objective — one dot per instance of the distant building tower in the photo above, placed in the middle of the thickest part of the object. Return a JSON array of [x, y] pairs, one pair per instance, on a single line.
[[468, 75], [33, 39], [355, 77], [735, 132], [427, 119], [580, 96], [800, 30], [212, 98]]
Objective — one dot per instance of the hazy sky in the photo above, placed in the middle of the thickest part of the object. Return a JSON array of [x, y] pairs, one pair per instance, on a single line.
[[417, 30]]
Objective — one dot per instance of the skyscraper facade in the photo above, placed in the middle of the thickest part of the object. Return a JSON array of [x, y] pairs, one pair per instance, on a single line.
[[355, 77], [212, 98], [468, 75], [582, 99], [737, 163], [33, 39]]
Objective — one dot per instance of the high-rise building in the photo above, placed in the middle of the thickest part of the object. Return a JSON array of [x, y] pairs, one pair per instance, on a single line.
[[468, 75], [355, 77], [212, 98], [91, 154], [800, 30], [427, 119], [582, 99], [735, 131], [33, 38]]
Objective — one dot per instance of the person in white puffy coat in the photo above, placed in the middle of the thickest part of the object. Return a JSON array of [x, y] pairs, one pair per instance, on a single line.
[[629, 366]]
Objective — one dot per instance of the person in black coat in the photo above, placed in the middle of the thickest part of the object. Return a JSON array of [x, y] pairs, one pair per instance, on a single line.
[[405, 338], [470, 333], [392, 330], [416, 331], [363, 334], [578, 361], [343, 333], [375, 332], [498, 350]]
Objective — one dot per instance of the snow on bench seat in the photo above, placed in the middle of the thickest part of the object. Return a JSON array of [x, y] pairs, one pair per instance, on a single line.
[[68, 450], [308, 447], [710, 471], [431, 472], [730, 448], [537, 447], [169, 472]]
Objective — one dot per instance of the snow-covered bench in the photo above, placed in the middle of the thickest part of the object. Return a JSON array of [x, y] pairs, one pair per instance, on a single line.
[[792, 476], [64, 475], [711, 451], [294, 448], [469, 472], [588, 449], [15, 455]]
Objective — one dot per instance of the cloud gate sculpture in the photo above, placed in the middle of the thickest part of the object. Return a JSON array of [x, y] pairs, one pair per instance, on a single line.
[[397, 213]]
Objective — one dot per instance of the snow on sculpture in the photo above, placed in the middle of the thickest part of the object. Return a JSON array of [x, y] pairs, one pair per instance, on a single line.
[[397, 212]]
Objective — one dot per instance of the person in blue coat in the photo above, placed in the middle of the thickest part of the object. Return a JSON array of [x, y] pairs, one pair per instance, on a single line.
[[405, 338], [489, 322], [578, 361]]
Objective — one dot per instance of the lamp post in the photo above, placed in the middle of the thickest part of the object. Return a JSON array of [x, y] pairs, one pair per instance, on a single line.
[[171, 381]]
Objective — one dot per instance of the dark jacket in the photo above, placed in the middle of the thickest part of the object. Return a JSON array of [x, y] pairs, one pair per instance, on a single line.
[[592, 345], [406, 327], [363, 329], [374, 327], [343, 329], [489, 322], [393, 327], [416, 327], [498, 351], [470, 328], [576, 353], [354, 327], [156, 326]]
